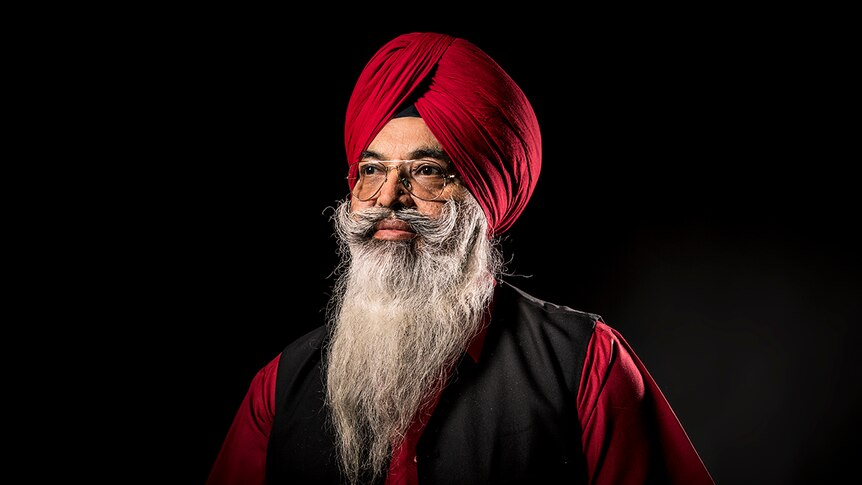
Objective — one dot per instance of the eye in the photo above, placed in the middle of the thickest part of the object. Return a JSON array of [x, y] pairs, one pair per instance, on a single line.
[[428, 169], [371, 169]]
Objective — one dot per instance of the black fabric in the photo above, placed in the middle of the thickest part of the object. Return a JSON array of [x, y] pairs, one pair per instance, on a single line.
[[510, 418], [409, 111], [301, 444]]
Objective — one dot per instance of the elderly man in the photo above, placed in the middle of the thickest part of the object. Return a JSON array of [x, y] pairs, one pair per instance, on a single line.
[[430, 367]]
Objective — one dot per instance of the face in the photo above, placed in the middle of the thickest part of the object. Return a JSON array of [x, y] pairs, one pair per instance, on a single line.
[[404, 139]]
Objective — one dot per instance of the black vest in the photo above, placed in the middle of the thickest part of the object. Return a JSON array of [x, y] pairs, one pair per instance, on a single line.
[[510, 418]]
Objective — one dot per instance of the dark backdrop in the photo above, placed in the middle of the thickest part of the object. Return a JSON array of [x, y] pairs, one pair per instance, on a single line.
[[692, 193]]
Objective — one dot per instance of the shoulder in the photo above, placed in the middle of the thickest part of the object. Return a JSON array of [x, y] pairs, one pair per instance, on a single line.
[[543, 331], [301, 356], [613, 366], [540, 311], [304, 349], [312, 341]]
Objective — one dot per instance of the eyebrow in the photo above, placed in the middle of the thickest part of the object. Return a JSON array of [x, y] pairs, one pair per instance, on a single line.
[[422, 152]]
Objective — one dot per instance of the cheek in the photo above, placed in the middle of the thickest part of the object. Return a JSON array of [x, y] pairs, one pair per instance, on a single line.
[[356, 204], [431, 209]]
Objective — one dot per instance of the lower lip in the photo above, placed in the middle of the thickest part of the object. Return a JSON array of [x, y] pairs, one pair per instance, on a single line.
[[394, 235]]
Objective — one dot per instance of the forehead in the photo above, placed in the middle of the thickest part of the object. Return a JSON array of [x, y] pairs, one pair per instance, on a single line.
[[401, 136]]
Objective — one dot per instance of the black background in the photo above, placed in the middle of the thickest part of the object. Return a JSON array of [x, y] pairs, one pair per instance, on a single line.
[[694, 192]]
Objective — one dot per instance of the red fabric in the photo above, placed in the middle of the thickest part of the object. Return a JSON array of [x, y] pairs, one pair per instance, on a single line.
[[629, 430], [242, 458], [475, 110], [403, 466]]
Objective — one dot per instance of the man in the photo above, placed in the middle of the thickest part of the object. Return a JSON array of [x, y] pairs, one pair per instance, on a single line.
[[431, 368]]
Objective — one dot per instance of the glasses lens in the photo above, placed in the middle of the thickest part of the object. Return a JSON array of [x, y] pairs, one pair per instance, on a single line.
[[372, 176], [424, 179]]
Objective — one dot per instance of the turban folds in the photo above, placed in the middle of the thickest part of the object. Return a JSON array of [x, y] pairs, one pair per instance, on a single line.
[[479, 115]]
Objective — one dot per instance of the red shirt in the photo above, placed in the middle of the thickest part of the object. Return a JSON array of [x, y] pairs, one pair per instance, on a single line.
[[619, 437]]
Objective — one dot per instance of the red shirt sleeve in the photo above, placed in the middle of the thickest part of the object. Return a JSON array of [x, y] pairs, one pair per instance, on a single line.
[[630, 432], [242, 458]]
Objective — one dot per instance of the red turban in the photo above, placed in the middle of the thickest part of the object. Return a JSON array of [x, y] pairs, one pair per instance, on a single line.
[[479, 115]]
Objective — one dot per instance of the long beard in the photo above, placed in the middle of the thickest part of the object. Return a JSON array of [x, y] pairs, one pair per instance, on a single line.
[[401, 315]]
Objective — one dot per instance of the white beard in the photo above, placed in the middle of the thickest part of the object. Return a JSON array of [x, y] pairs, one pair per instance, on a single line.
[[401, 316]]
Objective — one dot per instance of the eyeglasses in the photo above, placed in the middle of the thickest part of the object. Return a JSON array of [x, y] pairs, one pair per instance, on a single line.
[[424, 179]]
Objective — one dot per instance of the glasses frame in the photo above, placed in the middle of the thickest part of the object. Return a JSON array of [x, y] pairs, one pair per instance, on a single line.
[[404, 181]]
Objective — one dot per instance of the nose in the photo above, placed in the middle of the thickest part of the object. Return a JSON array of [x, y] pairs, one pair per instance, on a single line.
[[393, 193]]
